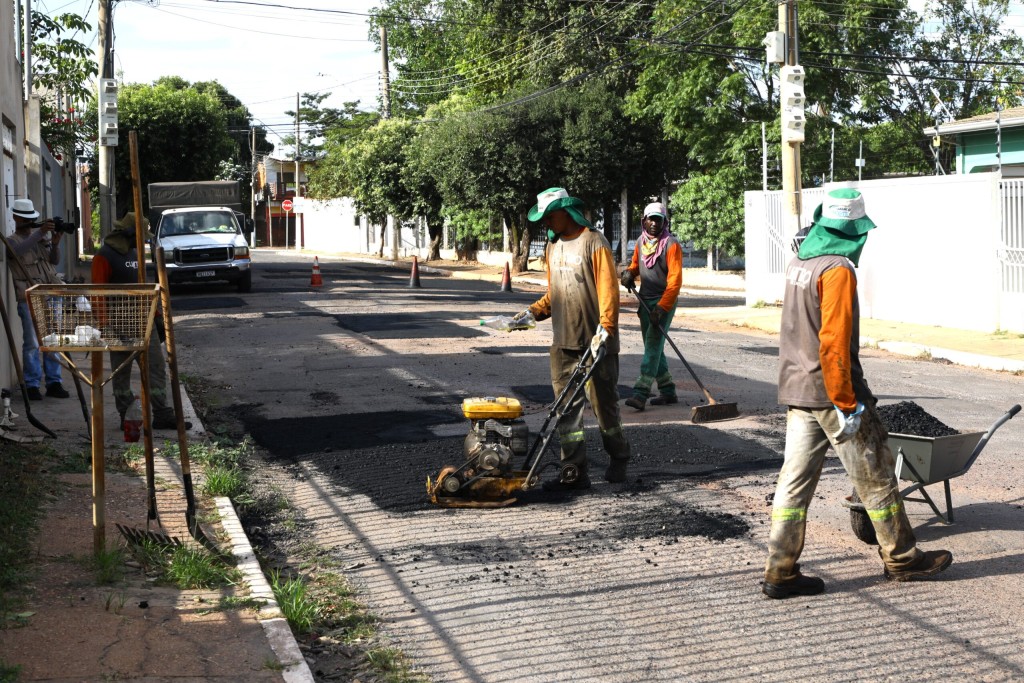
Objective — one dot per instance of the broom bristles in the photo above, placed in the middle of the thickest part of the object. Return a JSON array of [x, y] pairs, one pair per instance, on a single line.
[[714, 412]]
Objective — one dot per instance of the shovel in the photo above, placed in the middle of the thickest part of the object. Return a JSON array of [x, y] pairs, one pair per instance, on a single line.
[[714, 410], [21, 375]]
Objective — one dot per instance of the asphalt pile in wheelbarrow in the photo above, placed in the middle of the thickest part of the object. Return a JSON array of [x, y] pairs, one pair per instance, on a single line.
[[906, 417]]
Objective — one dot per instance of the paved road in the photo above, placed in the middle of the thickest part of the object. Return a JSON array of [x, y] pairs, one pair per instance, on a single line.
[[352, 395]]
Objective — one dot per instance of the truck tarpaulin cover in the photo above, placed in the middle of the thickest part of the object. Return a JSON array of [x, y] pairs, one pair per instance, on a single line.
[[163, 196]]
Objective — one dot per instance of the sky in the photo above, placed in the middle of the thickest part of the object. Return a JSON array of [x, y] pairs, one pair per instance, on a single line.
[[263, 55]]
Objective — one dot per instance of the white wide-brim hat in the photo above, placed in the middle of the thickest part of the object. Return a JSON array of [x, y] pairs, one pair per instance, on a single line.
[[23, 208]]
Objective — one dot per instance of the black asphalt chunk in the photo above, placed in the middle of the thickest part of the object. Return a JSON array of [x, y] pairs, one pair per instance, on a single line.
[[906, 417], [501, 350], [404, 325], [202, 303], [670, 521], [292, 437]]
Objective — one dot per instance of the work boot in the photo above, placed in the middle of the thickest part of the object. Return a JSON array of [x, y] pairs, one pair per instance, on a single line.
[[582, 483], [664, 400], [56, 390], [34, 394], [798, 585], [616, 472], [928, 565], [636, 402], [168, 422]]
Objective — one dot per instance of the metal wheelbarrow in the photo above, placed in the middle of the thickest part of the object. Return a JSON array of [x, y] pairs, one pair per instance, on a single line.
[[926, 461]]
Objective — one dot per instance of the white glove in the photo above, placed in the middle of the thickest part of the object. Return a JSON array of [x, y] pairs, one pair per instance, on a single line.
[[598, 340], [848, 424]]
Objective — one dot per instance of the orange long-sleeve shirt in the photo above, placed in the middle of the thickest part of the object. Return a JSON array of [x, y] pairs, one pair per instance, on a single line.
[[673, 277]]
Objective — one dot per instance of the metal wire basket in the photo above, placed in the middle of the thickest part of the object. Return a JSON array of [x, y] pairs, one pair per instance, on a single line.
[[93, 317]]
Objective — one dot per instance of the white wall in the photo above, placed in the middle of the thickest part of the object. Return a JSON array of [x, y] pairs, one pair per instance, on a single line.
[[931, 260]]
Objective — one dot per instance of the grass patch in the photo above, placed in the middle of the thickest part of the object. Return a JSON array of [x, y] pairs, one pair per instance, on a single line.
[[185, 566], [127, 461], [24, 487], [226, 481], [293, 597], [391, 666], [107, 565], [8, 674]]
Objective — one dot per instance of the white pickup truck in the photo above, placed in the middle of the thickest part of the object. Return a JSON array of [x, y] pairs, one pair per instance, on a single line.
[[204, 244], [199, 226]]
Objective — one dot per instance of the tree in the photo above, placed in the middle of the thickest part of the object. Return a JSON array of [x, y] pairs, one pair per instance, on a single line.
[[376, 163], [62, 68], [182, 136]]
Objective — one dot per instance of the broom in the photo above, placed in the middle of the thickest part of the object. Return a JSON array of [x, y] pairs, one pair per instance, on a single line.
[[714, 410]]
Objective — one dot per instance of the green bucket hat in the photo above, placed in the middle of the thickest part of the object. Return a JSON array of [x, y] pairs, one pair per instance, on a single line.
[[840, 227], [843, 210], [553, 199]]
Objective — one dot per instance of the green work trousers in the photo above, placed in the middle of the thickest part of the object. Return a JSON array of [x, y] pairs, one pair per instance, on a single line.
[[654, 366], [603, 393], [870, 465], [122, 381]]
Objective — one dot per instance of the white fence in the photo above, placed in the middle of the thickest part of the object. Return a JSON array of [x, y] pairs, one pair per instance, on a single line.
[[948, 250]]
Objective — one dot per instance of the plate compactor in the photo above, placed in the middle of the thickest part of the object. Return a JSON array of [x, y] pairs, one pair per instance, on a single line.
[[498, 436]]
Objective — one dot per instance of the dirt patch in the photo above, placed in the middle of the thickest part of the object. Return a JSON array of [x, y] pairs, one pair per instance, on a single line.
[[906, 417]]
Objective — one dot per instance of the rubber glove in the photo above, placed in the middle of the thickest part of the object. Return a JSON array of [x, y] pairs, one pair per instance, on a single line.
[[627, 280], [848, 424], [597, 341], [524, 320], [656, 314]]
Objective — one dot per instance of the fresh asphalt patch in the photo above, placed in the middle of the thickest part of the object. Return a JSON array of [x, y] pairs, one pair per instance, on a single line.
[[387, 456], [402, 325], [765, 350]]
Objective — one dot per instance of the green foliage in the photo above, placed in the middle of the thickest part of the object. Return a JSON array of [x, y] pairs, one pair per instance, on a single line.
[[708, 209], [108, 565], [61, 69], [191, 567], [295, 601]]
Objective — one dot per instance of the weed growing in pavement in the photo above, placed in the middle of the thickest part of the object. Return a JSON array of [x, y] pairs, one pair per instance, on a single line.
[[24, 487], [227, 481], [127, 461], [292, 596], [233, 602], [8, 673], [391, 666], [107, 565], [115, 601], [184, 566], [192, 567]]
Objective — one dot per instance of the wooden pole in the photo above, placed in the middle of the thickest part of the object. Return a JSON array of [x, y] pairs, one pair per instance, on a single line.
[[99, 520], [791, 190], [140, 269]]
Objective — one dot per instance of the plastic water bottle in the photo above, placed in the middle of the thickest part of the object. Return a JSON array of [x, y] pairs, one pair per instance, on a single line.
[[133, 422], [507, 323]]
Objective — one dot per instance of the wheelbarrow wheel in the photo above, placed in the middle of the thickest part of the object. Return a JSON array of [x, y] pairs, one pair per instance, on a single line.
[[860, 522]]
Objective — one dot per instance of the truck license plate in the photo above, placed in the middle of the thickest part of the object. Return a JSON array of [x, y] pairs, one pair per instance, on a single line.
[[206, 273]]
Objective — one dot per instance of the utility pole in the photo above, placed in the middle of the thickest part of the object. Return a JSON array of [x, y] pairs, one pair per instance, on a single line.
[[105, 53], [252, 184], [27, 49], [792, 99], [385, 113], [764, 158], [297, 152]]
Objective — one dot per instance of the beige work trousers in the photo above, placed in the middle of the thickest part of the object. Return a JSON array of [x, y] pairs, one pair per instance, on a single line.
[[871, 467]]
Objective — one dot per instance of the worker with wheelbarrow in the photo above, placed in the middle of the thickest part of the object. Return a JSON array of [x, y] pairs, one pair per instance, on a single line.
[[821, 382]]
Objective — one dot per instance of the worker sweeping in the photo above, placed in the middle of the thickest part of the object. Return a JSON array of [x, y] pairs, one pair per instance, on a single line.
[[821, 382], [658, 260]]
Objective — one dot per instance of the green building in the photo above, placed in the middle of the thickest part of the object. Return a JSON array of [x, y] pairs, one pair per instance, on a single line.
[[988, 142]]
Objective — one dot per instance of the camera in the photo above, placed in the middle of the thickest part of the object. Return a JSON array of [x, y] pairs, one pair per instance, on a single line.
[[65, 227]]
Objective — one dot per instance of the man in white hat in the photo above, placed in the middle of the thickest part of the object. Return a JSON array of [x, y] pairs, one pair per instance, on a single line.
[[821, 382], [582, 296], [36, 245], [658, 260]]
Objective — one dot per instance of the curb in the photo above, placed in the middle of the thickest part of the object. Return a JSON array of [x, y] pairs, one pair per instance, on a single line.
[[279, 634]]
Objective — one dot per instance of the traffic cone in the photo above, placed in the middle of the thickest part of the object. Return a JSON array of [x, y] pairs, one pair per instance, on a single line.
[[506, 280], [316, 280], [414, 277]]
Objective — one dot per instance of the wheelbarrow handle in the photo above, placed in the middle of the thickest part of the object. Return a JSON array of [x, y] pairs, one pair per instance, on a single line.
[[1005, 417]]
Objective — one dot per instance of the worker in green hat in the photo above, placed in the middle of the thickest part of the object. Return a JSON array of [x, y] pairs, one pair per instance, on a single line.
[[582, 297], [822, 385]]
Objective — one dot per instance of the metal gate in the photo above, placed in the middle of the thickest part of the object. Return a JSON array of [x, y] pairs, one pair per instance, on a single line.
[[1011, 247], [778, 251]]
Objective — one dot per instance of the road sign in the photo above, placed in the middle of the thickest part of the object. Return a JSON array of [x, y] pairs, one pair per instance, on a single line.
[[286, 205]]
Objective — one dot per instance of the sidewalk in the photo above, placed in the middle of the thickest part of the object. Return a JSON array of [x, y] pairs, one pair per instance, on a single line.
[[990, 351], [75, 629]]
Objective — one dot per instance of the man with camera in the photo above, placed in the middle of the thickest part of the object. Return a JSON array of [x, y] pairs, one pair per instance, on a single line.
[[37, 247]]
